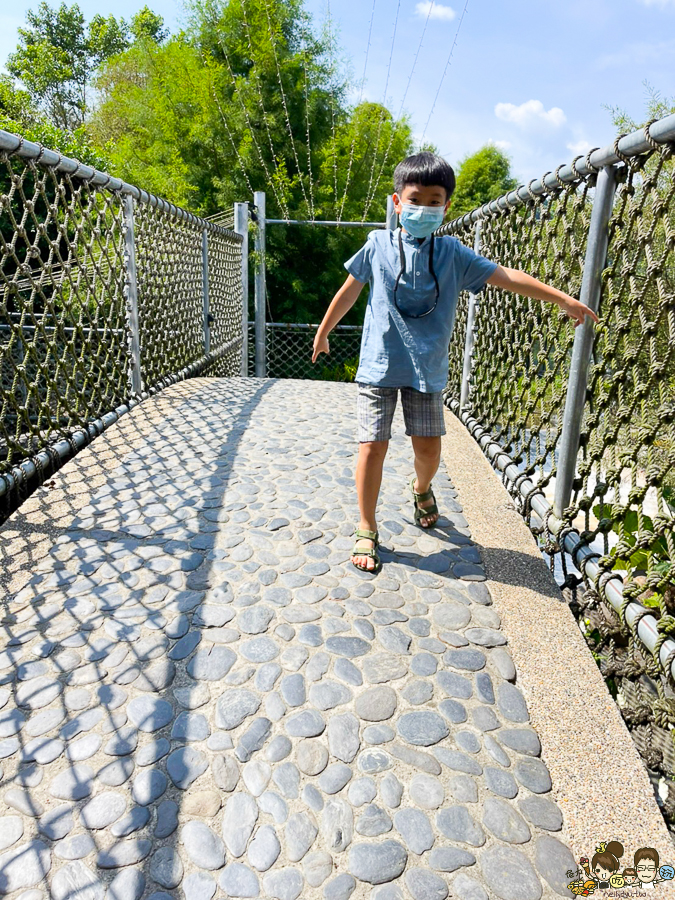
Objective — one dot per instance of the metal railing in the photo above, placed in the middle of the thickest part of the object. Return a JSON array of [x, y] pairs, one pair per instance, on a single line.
[[108, 294], [581, 422]]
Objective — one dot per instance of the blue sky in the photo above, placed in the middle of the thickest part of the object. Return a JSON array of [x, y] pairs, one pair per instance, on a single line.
[[531, 76]]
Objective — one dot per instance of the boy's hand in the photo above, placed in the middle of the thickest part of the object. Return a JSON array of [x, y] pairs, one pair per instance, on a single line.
[[576, 310], [320, 345]]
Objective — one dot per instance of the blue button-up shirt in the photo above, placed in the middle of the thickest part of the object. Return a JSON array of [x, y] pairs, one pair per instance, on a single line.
[[398, 351]]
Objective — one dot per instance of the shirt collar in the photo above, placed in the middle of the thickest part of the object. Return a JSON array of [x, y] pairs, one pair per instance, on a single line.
[[409, 239]]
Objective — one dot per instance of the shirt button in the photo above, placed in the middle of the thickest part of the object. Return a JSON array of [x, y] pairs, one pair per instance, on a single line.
[[417, 273]]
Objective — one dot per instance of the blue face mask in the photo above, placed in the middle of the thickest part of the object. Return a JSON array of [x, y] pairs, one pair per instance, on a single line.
[[421, 221]]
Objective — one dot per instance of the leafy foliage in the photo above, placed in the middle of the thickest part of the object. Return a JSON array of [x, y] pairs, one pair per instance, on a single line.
[[20, 115], [345, 371], [15, 104], [640, 559], [246, 99], [482, 176], [58, 54]]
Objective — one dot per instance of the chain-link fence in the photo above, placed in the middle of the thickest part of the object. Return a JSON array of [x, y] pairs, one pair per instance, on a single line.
[[105, 299], [611, 530], [289, 348]]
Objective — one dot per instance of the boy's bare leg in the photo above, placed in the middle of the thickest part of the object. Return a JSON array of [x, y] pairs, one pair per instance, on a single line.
[[368, 481], [427, 459]]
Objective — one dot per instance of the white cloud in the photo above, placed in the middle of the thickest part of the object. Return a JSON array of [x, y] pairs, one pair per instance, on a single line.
[[438, 11], [579, 147], [503, 145], [529, 113]]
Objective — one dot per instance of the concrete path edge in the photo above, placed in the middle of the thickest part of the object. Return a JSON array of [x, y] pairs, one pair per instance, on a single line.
[[599, 779]]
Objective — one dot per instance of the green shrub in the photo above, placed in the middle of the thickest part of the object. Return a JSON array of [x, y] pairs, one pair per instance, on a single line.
[[344, 371], [643, 559]]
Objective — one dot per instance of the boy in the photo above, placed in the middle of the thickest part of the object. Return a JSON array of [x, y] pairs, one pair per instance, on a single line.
[[415, 279]]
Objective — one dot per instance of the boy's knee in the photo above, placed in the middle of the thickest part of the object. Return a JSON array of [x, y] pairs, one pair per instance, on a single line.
[[428, 447], [374, 448]]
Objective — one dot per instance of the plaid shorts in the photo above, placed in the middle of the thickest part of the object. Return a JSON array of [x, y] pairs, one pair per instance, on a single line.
[[422, 413]]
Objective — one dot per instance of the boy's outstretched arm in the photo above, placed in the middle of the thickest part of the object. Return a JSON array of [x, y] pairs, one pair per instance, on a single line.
[[522, 283], [342, 302]]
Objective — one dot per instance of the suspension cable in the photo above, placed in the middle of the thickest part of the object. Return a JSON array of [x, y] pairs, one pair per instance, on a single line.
[[405, 94], [445, 70], [260, 99], [309, 147], [285, 105], [282, 205], [227, 128], [370, 193], [332, 106], [363, 81]]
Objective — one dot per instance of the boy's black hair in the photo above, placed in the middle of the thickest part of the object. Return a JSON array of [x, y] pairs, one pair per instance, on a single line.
[[427, 169]]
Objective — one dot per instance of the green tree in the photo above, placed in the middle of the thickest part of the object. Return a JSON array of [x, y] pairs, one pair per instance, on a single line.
[[20, 115], [147, 25], [15, 104], [156, 121], [482, 176], [247, 99], [58, 54]]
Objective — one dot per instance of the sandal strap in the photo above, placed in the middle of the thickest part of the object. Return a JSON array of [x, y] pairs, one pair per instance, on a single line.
[[366, 551], [427, 495], [425, 510], [364, 533]]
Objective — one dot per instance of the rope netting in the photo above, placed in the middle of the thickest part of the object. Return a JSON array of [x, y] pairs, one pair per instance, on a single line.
[[65, 309], [546, 238], [623, 494], [456, 355], [171, 292]]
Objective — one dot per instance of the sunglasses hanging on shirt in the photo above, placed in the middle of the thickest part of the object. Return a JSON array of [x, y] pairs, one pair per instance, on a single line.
[[402, 272]]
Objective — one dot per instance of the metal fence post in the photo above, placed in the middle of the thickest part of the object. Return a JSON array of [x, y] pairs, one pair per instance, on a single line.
[[594, 263], [135, 380], [468, 338], [392, 215], [241, 227], [260, 284], [205, 290]]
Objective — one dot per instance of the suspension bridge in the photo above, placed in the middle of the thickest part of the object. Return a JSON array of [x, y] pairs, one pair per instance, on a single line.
[[200, 696]]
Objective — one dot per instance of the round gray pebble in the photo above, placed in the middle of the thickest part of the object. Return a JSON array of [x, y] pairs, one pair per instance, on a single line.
[[377, 863], [425, 885]]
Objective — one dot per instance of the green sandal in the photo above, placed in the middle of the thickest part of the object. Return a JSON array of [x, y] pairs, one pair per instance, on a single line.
[[367, 551], [426, 510]]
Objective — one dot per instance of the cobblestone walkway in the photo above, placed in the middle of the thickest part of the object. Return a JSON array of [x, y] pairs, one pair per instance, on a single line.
[[202, 698]]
